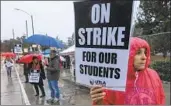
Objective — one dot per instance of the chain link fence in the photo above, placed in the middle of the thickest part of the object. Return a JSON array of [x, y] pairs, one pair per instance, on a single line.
[[160, 53], [159, 43]]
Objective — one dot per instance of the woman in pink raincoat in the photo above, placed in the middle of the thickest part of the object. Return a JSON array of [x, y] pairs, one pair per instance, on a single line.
[[143, 86]]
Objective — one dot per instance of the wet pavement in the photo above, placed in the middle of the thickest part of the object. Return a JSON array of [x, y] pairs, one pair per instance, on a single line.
[[71, 93], [10, 89]]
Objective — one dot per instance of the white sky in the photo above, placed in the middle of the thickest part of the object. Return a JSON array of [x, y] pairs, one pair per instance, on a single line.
[[51, 17]]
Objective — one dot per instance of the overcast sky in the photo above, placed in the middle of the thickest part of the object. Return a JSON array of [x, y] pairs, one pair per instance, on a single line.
[[51, 17]]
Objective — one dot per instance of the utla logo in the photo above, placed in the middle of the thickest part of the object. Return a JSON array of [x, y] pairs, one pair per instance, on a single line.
[[97, 82]]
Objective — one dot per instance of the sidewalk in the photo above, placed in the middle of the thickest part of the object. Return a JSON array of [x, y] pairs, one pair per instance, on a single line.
[[71, 93], [10, 89]]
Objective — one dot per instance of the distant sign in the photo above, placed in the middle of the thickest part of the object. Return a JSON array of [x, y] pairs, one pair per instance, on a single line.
[[18, 48], [102, 31], [25, 50]]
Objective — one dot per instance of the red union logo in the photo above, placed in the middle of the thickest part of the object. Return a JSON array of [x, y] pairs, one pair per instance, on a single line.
[[142, 96]]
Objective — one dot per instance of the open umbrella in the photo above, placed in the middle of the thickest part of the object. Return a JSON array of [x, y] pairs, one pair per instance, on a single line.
[[28, 58], [44, 40], [8, 54], [47, 51], [61, 57]]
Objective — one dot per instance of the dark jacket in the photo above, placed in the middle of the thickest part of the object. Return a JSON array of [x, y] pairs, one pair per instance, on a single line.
[[53, 70], [42, 73], [26, 69]]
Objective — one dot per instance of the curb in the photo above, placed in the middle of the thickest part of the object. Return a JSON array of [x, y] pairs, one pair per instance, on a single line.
[[25, 97]]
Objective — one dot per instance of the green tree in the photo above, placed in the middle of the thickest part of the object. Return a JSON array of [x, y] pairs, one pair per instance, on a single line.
[[71, 40], [25, 45], [154, 17]]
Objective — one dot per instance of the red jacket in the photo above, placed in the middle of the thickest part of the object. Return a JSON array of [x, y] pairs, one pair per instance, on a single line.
[[144, 87]]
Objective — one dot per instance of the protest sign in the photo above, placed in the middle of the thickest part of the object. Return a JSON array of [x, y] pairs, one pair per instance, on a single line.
[[18, 49], [102, 33], [8, 64], [34, 77]]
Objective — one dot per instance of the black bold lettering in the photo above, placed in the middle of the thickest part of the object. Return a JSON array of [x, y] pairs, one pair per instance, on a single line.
[[88, 56], [117, 76], [114, 58], [86, 69], [100, 71], [107, 58], [84, 55], [95, 71], [101, 57], [105, 72], [81, 69], [90, 70], [111, 72], [93, 57]]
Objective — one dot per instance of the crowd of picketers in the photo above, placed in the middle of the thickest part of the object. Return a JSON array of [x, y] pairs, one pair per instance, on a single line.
[[143, 84], [37, 67]]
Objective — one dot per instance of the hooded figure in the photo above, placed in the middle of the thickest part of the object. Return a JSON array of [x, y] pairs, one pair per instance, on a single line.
[[142, 86]]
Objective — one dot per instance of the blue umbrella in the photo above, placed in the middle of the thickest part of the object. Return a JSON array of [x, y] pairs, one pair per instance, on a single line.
[[47, 51], [44, 40]]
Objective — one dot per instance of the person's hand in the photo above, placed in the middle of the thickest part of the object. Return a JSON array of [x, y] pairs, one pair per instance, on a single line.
[[97, 94], [45, 67]]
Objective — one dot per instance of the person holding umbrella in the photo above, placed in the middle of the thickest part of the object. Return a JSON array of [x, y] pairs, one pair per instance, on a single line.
[[53, 74], [37, 75]]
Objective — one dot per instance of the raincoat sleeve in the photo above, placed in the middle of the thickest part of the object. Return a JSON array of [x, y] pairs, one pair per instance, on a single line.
[[109, 99]]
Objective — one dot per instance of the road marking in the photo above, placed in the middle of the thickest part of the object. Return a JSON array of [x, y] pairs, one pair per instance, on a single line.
[[26, 100]]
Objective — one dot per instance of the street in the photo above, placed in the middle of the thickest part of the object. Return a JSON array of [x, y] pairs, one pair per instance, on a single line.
[[71, 93], [10, 89]]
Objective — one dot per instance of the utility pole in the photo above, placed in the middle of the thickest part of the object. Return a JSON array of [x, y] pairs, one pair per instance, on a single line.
[[29, 15], [26, 29], [13, 33], [32, 24]]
